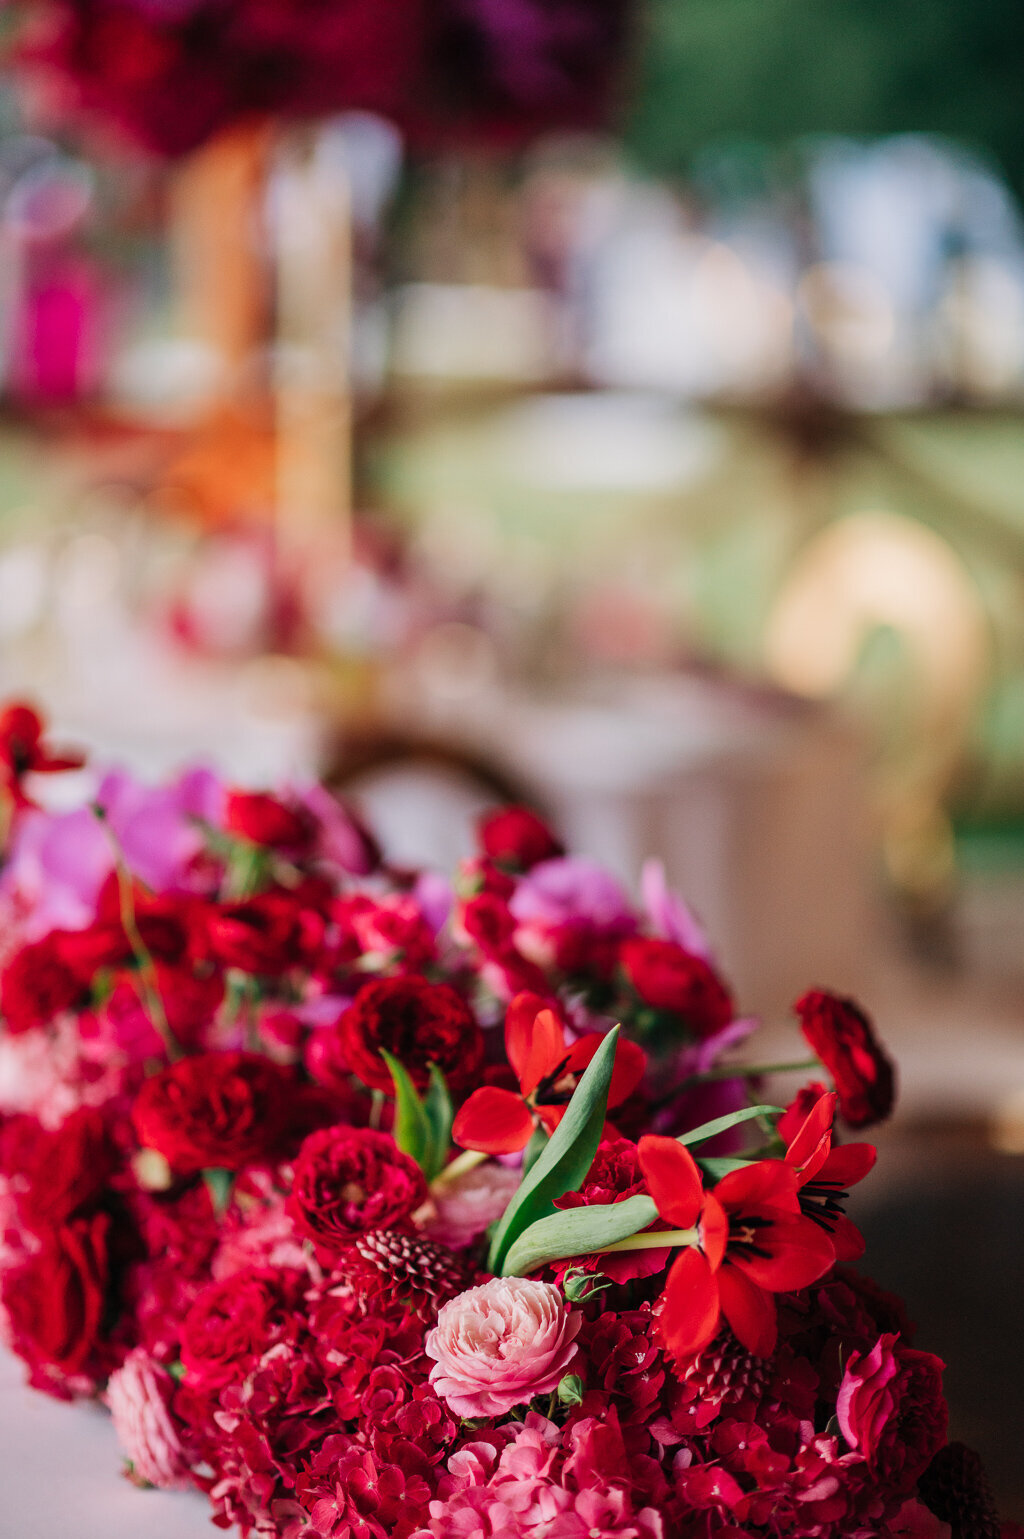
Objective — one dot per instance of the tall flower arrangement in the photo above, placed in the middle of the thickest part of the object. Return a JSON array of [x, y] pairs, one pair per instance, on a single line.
[[374, 1204]]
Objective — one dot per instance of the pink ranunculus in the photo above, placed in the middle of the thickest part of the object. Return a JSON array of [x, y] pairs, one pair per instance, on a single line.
[[470, 1203], [138, 1395], [500, 1344]]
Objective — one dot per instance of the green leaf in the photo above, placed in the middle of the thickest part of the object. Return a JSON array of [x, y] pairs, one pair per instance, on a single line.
[[723, 1124], [566, 1159], [220, 1184], [411, 1130], [539, 1141], [577, 1232], [440, 1114], [717, 1168]]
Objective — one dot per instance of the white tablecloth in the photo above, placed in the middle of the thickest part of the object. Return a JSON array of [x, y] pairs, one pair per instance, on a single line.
[[60, 1475]]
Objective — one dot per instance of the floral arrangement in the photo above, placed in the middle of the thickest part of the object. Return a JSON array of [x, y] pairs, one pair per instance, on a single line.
[[376, 1205], [170, 73]]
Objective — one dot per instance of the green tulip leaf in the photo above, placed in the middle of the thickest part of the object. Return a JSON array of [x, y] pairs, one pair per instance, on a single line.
[[567, 1158]]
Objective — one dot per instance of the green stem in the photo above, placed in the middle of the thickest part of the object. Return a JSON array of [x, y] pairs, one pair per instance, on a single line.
[[377, 1099], [140, 951], [752, 1071], [654, 1239], [468, 1160]]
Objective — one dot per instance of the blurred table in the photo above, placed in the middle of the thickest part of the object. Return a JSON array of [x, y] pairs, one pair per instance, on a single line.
[[60, 1474]]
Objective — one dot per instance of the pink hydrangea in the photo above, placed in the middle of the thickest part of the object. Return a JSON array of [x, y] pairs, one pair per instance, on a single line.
[[138, 1395], [501, 1344]]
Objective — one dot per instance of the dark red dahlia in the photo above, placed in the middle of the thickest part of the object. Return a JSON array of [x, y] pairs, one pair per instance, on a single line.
[[417, 1022], [417, 1272], [845, 1041], [955, 1488], [350, 1180]]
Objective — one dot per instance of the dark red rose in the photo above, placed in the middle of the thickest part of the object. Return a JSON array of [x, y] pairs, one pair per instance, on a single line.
[[844, 1039], [891, 1409], [668, 978], [65, 1171], [214, 1110], [264, 820], [38, 984], [230, 1324], [267, 934], [56, 1300], [417, 1022], [517, 837], [349, 1180]]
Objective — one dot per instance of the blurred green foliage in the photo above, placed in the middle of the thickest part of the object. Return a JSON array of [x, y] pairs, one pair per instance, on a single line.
[[771, 70]]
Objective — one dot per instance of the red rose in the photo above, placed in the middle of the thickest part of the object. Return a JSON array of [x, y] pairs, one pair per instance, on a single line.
[[65, 1171], [216, 1109], [56, 1300], [844, 1039], [267, 934], [891, 1409], [669, 978], [349, 1180], [417, 1022], [517, 837], [229, 1325], [264, 820], [37, 984]]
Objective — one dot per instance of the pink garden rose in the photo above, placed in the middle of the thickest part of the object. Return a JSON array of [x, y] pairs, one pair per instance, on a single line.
[[138, 1396], [468, 1204], [500, 1344]]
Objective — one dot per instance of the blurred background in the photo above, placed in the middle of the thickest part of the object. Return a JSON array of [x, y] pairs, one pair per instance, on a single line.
[[610, 404]]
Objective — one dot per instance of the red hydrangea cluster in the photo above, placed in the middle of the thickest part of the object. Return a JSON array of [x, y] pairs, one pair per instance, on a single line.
[[377, 1207]]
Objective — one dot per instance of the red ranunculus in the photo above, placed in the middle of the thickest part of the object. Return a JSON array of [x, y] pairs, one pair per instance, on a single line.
[[56, 1300], [891, 1409], [65, 1170], [349, 1180], [264, 820], [417, 1022], [216, 1109], [229, 1325], [37, 984], [517, 837], [266, 935], [844, 1039], [669, 978]]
